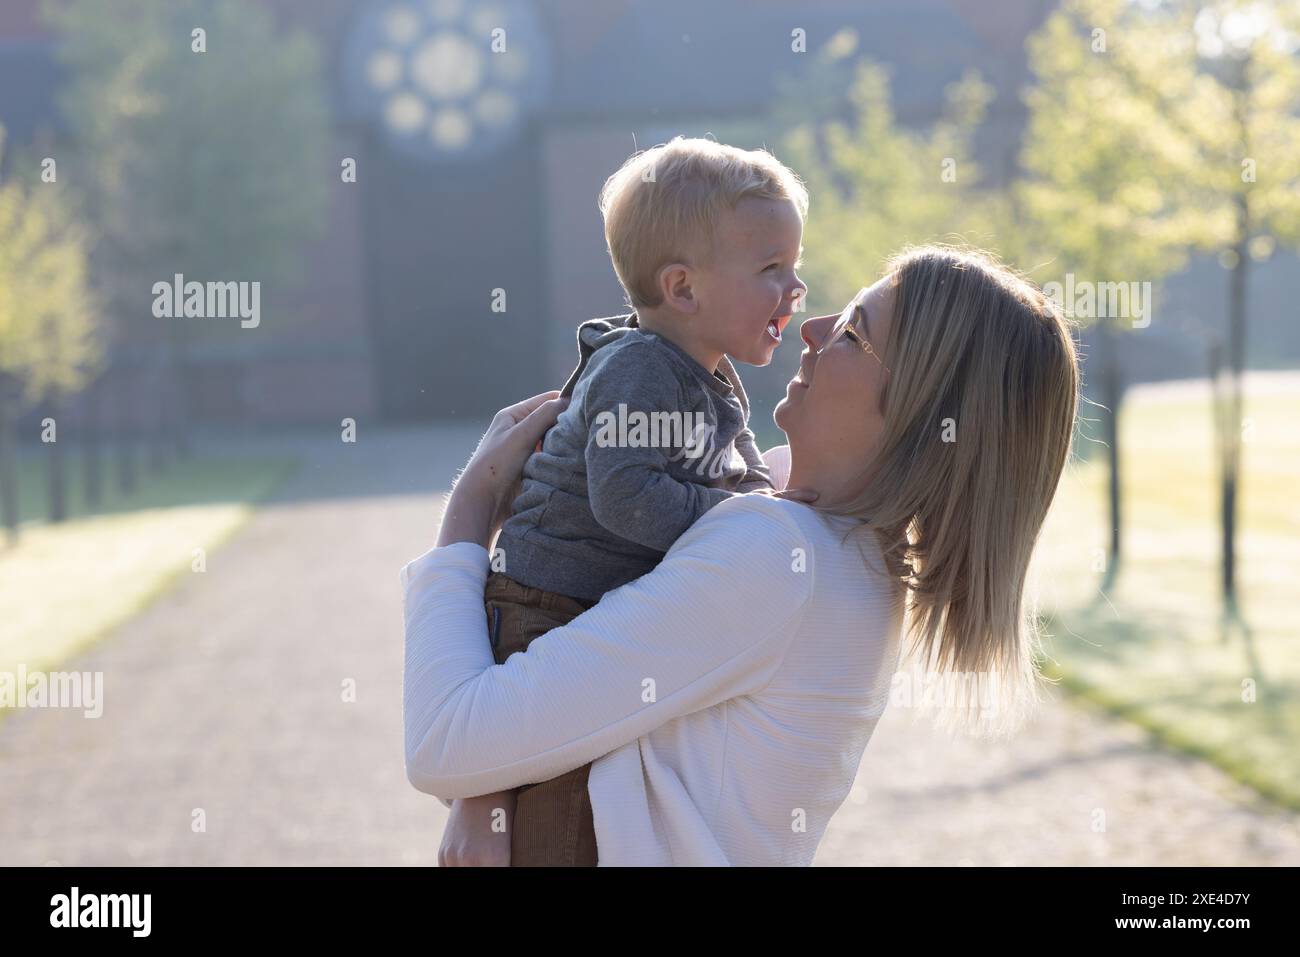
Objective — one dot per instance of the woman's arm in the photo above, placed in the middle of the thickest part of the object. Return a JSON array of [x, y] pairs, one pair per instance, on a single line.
[[712, 622]]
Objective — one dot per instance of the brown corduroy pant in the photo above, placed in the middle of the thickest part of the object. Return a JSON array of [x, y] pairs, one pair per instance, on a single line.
[[553, 825]]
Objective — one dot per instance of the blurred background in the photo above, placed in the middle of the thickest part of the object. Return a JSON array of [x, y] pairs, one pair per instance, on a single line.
[[390, 209]]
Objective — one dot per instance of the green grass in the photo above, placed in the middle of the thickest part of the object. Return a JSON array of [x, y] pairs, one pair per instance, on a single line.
[[67, 584], [1155, 649], [184, 482]]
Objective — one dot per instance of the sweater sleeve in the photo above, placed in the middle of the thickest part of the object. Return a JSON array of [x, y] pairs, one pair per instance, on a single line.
[[757, 476], [629, 487], [713, 621]]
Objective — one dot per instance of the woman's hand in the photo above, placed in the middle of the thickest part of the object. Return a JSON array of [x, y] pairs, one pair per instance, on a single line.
[[469, 839], [480, 500]]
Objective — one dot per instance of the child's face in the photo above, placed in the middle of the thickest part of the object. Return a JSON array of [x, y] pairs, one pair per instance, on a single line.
[[747, 288]]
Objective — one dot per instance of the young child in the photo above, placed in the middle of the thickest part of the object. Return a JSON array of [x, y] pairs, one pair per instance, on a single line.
[[705, 239]]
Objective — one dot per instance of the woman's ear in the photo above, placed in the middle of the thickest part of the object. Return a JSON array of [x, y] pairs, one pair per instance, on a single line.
[[675, 286]]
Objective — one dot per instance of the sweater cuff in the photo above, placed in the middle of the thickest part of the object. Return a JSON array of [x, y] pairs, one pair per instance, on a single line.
[[467, 555]]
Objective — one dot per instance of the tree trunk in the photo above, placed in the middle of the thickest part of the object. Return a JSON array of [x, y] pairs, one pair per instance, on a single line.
[[159, 440], [57, 477], [8, 463], [179, 408], [124, 431], [1112, 396], [1236, 347], [1221, 414], [1232, 445], [92, 421]]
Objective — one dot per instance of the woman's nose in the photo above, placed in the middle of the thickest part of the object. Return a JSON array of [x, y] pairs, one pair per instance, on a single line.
[[814, 330]]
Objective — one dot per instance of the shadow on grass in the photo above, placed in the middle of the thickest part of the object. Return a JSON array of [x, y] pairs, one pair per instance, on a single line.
[[1100, 631], [1087, 643]]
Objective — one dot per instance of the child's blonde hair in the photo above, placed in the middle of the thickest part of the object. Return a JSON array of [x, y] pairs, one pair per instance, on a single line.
[[662, 204]]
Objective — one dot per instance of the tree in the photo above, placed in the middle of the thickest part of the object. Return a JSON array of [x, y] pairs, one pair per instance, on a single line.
[[48, 341], [1093, 193], [1232, 101], [204, 155], [1221, 84], [876, 186]]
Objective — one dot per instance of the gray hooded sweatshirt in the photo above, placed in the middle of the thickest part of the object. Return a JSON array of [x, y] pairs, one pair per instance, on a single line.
[[651, 441]]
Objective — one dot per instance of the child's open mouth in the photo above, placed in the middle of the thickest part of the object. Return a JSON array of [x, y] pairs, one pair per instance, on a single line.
[[775, 326]]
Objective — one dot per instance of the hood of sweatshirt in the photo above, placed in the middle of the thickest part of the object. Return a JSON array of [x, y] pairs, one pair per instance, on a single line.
[[597, 333], [592, 335]]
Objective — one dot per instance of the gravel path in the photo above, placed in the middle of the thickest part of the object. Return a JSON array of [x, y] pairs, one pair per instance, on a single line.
[[225, 699]]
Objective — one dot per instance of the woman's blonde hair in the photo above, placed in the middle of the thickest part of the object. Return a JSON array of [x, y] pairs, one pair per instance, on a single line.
[[979, 412], [661, 205]]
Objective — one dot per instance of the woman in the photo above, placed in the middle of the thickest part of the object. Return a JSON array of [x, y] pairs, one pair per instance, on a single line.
[[726, 698]]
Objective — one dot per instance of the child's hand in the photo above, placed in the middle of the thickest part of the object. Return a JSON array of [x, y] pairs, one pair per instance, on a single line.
[[470, 840]]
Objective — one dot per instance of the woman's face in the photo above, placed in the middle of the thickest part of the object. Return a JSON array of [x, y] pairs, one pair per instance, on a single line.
[[831, 411]]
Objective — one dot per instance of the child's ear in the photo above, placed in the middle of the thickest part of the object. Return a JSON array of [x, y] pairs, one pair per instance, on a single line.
[[675, 286]]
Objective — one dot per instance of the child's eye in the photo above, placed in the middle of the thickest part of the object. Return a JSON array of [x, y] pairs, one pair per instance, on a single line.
[[772, 266]]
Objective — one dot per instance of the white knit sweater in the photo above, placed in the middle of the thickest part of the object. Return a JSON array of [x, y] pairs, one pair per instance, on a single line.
[[726, 698]]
